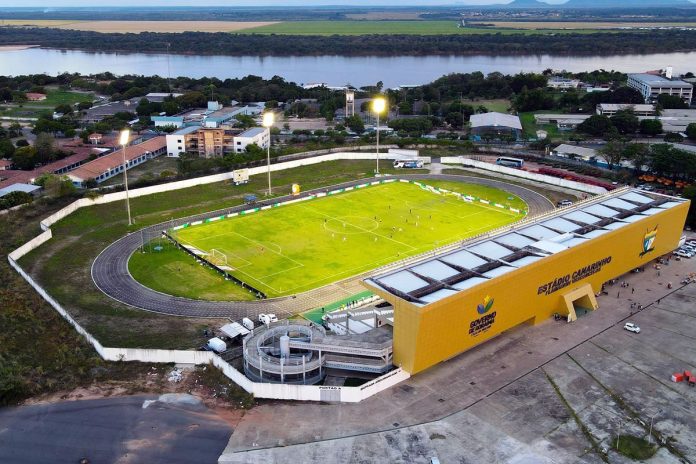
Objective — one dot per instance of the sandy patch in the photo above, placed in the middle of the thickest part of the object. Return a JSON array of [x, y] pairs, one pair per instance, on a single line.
[[14, 48], [146, 26]]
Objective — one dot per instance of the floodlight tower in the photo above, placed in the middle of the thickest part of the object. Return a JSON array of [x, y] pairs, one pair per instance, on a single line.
[[350, 103], [268, 119], [123, 141], [378, 105]]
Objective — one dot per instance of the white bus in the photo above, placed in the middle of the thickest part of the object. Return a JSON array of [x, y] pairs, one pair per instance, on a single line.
[[408, 164], [511, 162]]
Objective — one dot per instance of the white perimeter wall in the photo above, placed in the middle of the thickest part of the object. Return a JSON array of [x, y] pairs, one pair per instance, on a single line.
[[558, 182], [259, 390]]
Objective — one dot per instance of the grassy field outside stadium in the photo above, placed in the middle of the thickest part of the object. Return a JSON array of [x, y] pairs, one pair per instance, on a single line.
[[298, 247]]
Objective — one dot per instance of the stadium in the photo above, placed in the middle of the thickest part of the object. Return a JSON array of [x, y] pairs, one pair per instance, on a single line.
[[442, 267]]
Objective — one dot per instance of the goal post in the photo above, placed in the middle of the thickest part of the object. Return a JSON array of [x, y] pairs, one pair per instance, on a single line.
[[218, 258]]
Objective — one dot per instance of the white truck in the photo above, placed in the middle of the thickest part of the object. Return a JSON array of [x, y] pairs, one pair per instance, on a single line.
[[248, 323], [217, 345]]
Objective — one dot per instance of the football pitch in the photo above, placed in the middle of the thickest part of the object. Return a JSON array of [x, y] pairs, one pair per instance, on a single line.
[[297, 247]]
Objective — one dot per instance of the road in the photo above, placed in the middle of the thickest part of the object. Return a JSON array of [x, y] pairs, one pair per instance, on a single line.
[[112, 430]]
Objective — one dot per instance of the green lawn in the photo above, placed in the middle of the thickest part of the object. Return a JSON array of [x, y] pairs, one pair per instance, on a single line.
[[53, 99], [295, 248], [175, 273], [390, 27], [529, 127]]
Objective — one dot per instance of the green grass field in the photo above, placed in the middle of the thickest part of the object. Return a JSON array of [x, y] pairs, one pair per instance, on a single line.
[[391, 27], [295, 248], [53, 99]]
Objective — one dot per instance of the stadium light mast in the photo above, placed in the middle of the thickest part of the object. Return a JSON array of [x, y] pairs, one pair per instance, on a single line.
[[378, 105], [268, 118], [123, 141]]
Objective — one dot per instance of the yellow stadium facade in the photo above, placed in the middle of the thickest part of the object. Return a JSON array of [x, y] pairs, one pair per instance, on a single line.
[[429, 329]]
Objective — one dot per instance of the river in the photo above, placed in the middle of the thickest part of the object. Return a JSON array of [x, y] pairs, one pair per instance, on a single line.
[[332, 70]]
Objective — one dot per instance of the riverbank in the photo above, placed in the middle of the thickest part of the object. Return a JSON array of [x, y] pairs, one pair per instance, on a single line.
[[15, 48]]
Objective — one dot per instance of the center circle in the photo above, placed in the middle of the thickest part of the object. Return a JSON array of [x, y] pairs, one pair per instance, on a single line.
[[351, 225]]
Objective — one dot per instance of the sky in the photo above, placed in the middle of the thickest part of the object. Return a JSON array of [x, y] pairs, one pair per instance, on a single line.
[[201, 3]]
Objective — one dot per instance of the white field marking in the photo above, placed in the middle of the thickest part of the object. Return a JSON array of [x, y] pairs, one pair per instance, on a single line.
[[272, 251], [347, 222], [360, 228], [388, 259], [254, 278], [280, 272]]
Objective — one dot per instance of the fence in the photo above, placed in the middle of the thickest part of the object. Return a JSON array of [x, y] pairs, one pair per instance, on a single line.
[[259, 390], [558, 182]]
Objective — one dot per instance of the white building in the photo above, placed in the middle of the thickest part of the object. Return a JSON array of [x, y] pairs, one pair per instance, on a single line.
[[168, 121], [574, 152], [260, 136], [562, 121], [563, 83], [650, 86], [610, 109]]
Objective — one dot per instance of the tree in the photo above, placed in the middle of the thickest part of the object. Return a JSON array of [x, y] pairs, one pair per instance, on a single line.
[[537, 99], [667, 102], [625, 121], [596, 125], [45, 148], [614, 152], [691, 131], [63, 109], [455, 120], [651, 127], [6, 148], [638, 154], [355, 123], [673, 137], [24, 158], [690, 194]]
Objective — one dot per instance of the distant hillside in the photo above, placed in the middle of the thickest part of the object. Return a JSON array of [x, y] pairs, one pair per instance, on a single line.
[[626, 4], [528, 4]]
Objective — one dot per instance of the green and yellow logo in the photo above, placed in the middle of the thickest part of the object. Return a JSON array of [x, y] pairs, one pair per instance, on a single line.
[[649, 241], [484, 307]]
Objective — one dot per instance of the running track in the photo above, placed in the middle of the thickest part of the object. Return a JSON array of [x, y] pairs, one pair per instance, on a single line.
[[110, 268]]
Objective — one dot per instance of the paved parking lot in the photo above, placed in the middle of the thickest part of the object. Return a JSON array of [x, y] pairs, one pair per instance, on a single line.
[[555, 392]]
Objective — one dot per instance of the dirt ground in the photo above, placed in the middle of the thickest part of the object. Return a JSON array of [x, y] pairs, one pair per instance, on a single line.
[[153, 380], [144, 26]]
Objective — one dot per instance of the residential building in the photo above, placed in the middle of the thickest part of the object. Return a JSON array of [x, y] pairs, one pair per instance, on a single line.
[[650, 86], [260, 136], [5, 164], [112, 164], [494, 125], [207, 142], [563, 83], [610, 109], [34, 96]]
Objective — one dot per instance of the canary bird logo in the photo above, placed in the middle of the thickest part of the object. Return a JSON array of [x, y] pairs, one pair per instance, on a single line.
[[649, 241]]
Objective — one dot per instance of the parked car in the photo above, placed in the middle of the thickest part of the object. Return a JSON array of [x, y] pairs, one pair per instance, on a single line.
[[267, 318], [563, 203], [631, 327], [690, 243], [683, 254]]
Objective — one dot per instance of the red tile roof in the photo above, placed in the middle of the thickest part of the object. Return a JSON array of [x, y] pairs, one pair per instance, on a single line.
[[99, 166]]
